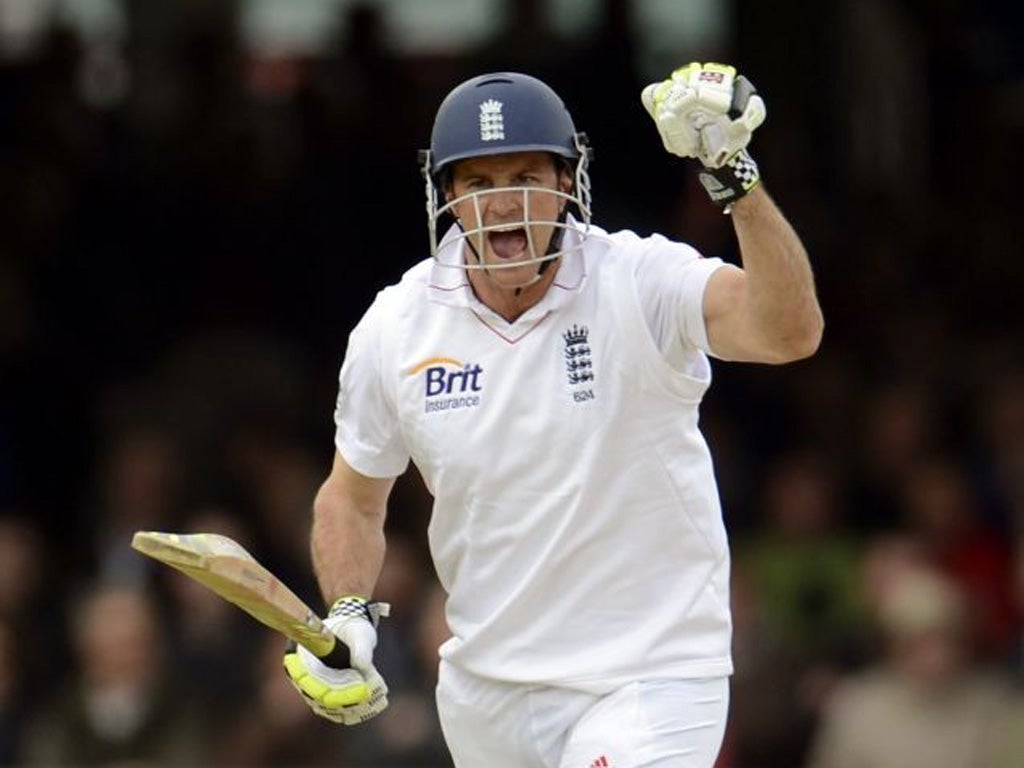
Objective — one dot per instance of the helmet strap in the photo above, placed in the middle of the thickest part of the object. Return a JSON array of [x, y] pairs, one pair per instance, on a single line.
[[469, 242], [555, 244]]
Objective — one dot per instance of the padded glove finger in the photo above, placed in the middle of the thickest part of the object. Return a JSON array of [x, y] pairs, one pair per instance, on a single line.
[[342, 695], [670, 105], [705, 111], [347, 695]]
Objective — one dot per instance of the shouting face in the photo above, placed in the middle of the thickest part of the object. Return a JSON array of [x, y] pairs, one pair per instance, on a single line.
[[510, 206]]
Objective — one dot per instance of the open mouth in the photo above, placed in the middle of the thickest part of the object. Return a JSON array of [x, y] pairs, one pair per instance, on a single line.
[[508, 243]]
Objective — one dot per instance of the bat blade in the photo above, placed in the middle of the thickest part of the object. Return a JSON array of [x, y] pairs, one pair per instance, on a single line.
[[224, 566]]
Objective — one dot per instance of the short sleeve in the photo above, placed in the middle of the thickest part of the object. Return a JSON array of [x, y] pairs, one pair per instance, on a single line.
[[671, 278], [367, 433]]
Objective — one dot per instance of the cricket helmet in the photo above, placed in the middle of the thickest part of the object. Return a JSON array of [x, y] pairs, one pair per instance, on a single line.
[[499, 113]]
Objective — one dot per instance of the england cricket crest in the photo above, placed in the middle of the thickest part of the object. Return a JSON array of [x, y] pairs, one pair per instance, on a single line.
[[579, 366], [492, 123]]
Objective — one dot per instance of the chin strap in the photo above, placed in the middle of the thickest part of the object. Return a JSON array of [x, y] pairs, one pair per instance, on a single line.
[[468, 241], [555, 244]]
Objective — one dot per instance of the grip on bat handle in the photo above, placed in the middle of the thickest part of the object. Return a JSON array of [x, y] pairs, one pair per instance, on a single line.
[[338, 657]]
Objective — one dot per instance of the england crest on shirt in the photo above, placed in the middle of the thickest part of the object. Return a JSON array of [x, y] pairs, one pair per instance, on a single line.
[[579, 365]]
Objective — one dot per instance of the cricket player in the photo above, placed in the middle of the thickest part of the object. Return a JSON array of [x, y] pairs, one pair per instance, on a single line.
[[545, 377]]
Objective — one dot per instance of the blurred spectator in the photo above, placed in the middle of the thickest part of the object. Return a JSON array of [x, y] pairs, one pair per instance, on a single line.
[[1018, 582], [12, 684], [1005, 748], [27, 582], [139, 489], [898, 427], [801, 617], [362, 67], [925, 703], [276, 477], [1007, 743], [999, 423], [525, 42], [273, 727], [825, 394], [802, 562], [767, 670], [23, 565], [212, 644], [120, 703], [940, 505], [889, 558]]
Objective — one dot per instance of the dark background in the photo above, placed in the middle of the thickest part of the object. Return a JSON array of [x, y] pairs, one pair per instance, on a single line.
[[189, 229]]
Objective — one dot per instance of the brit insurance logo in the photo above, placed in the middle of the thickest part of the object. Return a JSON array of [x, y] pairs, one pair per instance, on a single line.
[[579, 368], [449, 384]]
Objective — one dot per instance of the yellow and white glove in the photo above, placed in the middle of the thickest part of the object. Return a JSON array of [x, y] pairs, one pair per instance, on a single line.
[[707, 112], [349, 695]]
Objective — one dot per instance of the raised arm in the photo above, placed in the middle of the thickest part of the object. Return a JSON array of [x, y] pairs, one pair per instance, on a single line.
[[768, 311]]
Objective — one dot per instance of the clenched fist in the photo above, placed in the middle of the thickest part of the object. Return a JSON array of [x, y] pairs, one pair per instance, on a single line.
[[707, 112]]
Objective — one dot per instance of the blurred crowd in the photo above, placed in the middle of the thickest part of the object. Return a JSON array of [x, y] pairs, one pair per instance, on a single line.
[[188, 232]]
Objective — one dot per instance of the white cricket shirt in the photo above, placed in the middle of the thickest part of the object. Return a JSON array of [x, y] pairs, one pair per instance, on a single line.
[[576, 523]]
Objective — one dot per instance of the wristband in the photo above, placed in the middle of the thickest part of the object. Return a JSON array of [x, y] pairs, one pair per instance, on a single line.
[[352, 605], [727, 184]]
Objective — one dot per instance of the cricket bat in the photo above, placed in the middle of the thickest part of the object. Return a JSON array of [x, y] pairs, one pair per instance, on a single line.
[[224, 566]]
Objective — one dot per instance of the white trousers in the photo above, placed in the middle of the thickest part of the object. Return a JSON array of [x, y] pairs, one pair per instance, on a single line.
[[646, 724]]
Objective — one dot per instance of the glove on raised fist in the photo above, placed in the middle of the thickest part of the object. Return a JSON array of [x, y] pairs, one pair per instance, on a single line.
[[354, 694], [705, 111]]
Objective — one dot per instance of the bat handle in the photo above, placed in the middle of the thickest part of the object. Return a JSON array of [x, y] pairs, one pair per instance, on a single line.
[[338, 657]]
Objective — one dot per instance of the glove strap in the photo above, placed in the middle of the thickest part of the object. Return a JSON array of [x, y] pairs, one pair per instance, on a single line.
[[732, 181], [354, 605]]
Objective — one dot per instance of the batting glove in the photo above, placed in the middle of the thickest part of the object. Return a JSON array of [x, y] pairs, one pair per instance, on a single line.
[[354, 694], [707, 112]]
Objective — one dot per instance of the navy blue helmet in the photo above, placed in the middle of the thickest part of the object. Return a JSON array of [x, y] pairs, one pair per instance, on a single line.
[[502, 112], [499, 113]]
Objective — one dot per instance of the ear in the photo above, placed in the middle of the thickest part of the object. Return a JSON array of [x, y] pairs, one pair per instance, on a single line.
[[565, 179], [448, 190], [565, 184], [446, 184]]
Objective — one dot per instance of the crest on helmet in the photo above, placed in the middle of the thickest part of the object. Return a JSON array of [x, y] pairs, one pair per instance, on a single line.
[[492, 124]]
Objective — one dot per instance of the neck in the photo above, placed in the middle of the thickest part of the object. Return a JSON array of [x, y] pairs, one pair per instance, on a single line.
[[510, 302]]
